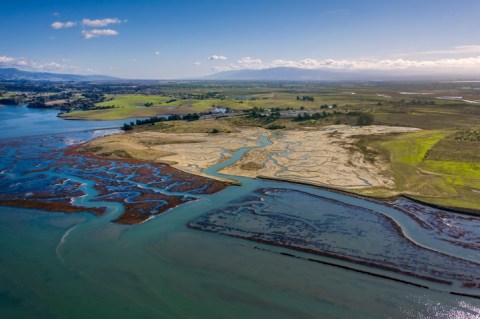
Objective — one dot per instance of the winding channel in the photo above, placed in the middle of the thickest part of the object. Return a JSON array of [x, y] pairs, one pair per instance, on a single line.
[[413, 234]]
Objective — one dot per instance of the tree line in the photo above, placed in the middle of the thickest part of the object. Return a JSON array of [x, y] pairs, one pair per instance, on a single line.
[[155, 119], [305, 98]]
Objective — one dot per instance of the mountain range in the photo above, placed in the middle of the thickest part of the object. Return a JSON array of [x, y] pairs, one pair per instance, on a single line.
[[298, 74], [12, 74], [269, 74]]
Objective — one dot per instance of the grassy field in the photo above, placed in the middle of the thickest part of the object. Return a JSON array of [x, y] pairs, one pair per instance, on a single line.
[[130, 106], [220, 126], [113, 114], [414, 105], [128, 100], [431, 167]]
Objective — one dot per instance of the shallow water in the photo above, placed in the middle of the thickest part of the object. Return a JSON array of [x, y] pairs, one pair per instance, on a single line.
[[56, 265], [17, 121]]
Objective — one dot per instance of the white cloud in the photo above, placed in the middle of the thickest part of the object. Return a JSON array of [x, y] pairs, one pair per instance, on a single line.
[[250, 63], [196, 63], [459, 49], [32, 65], [95, 33], [156, 53], [283, 63], [387, 64], [133, 60], [466, 65], [96, 23], [63, 25], [467, 49], [114, 68], [6, 59], [230, 67], [217, 57]]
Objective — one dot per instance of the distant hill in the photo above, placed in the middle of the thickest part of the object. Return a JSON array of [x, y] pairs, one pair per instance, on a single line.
[[279, 74], [298, 74], [11, 74]]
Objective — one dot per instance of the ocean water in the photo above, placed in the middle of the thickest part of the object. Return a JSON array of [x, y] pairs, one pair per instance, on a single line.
[[55, 265]]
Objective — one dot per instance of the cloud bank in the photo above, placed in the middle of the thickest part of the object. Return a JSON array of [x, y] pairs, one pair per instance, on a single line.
[[469, 64], [387, 64]]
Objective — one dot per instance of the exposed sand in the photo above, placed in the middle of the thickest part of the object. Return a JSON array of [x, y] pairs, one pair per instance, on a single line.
[[323, 156], [190, 152], [319, 156]]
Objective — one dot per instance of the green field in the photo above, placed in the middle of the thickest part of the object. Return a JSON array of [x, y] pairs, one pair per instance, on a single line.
[[130, 106], [387, 102], [128, 100], [431, 167]]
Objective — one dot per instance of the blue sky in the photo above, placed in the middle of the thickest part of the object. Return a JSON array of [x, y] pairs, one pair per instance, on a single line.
[[186, 38]]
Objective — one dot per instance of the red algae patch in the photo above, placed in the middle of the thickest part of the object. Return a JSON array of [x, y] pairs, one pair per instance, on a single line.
[[62, 206], [47, 173]]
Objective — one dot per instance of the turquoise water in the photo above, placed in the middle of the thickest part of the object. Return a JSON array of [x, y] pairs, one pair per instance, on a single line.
[[75, 266]]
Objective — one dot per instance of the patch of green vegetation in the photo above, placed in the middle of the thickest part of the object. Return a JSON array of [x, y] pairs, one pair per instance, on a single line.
[[427, 166], [365, 119], [411, 148], [275, 126], [450, 149], [129, 100], [116, 113], [467, 135], [201, 126], [116, 153], [462, 173]]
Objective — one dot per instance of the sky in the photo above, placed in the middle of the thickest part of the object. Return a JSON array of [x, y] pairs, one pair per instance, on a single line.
[[171, 39]]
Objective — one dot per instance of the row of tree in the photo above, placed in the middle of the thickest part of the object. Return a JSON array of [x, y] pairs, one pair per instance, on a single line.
[[315, 116], [305, 98], [363, 119], [156, 119]]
